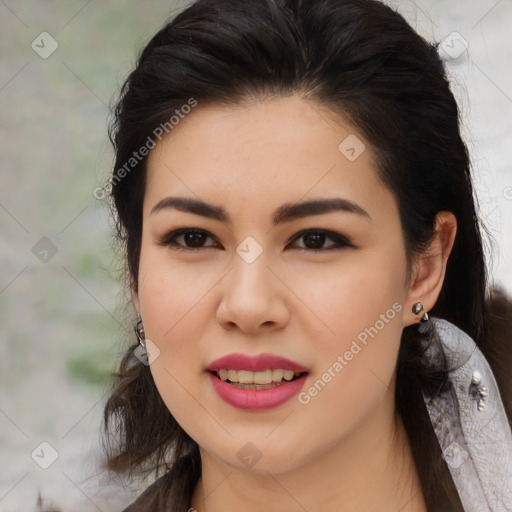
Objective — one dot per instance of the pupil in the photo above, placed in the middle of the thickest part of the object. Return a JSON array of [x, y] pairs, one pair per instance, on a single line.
[[194, 239], [318, 240]]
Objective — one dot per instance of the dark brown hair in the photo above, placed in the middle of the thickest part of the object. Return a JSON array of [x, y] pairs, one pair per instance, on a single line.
[[362, 60]]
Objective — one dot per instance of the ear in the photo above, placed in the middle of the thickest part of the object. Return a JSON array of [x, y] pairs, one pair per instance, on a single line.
[[430, 267]]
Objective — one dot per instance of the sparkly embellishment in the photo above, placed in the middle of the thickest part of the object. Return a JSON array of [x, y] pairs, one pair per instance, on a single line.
[[477, 391]]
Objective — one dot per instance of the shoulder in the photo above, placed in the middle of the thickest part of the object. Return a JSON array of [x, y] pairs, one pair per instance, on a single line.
[[169, 493], [154, 497]]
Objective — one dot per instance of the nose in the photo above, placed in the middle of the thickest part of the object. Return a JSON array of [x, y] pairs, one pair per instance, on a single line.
[[253, 298]]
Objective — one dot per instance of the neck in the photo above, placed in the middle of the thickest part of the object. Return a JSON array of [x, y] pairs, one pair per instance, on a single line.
[[372, 469]]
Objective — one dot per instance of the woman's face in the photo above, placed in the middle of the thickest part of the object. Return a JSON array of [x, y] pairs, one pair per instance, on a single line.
[[325, 289]]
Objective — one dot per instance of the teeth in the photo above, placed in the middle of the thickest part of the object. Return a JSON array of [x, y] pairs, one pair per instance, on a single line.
[[288, 374], [277, 375], [263, 377]]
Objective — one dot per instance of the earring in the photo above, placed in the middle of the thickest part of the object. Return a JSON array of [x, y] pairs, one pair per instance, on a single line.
[[417, 309], [139, 331]]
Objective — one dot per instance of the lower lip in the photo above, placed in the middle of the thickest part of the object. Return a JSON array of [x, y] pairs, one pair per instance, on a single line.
[[257, 399]]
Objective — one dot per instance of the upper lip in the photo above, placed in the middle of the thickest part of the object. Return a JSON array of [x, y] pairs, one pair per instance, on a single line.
[[255, 363]]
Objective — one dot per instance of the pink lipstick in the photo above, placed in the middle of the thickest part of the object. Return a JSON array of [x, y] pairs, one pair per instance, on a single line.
[[241, 395]]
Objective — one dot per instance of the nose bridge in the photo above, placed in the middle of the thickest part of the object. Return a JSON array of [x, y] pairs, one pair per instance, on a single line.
[[251, 293], [250, 279]]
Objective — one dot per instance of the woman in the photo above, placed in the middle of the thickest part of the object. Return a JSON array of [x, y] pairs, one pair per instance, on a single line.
[[305, 260]]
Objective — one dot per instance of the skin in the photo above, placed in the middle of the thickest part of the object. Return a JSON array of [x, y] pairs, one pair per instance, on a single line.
[[344, 450]]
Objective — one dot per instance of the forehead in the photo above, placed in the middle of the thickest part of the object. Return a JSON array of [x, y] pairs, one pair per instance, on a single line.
[[259, 154]]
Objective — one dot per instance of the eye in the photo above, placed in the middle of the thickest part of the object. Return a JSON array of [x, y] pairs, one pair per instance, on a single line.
[[190, 239], [314, 240]]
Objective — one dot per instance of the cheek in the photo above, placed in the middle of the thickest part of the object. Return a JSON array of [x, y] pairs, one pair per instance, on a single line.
[[355, 366], [356, 355], [174, 304], [175, 318], [172, 294], [346, 300]]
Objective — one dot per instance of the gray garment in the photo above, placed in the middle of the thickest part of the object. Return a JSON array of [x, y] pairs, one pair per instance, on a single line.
[[476, 443]]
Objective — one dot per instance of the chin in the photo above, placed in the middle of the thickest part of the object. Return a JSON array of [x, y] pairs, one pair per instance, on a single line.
[[254, 458]]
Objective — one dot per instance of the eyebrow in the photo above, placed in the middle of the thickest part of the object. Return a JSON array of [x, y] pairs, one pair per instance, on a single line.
[[285, 213]]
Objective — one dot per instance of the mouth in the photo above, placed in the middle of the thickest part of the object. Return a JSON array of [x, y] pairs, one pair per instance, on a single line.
[[256, 382], [266, 379]]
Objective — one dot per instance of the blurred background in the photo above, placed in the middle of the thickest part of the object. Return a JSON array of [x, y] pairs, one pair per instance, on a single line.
[[62, 303]]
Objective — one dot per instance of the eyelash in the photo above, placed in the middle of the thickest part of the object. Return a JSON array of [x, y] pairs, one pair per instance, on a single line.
[[340, 241]]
